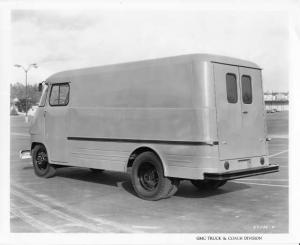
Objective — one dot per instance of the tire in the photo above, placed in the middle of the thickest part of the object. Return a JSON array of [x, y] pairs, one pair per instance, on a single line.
[[42, 167], [174, 187], [95, 170], [208, 184], [148, 180]]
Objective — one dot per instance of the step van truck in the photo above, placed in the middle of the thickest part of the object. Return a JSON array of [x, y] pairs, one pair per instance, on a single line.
[[196, 117]]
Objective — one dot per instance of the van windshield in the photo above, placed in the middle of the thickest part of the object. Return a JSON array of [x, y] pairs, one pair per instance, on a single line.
[[44, 96]]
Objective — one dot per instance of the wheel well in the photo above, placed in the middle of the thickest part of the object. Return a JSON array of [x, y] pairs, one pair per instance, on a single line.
[[138, 151], [33, 144]]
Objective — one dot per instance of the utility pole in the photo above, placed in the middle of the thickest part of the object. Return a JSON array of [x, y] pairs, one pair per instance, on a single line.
[[26, 94]]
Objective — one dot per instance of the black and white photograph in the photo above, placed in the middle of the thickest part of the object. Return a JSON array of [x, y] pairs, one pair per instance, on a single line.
[[169, 118]]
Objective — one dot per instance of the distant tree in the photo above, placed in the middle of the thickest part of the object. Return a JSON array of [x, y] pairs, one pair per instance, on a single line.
[[21, 104], [18, 90]]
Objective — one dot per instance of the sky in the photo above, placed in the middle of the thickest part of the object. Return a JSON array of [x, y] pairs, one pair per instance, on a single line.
[[66, 39]]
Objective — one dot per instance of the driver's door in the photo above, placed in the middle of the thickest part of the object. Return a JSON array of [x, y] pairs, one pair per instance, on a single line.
[[56, 122]]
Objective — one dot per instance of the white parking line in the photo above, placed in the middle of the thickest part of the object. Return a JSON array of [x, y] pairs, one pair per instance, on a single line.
[[55, 212], [145, 227], [90, 225], [267, 179], [39, 225], [250, 183], [279, 153]]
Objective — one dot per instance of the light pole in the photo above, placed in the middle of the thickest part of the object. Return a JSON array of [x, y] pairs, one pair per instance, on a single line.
[[26, 71]]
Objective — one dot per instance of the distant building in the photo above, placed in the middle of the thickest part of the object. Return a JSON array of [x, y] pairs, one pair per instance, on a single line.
[[278, 101]]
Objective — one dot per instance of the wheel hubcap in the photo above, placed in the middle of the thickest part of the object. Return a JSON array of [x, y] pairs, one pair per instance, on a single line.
[[42, 160], [148, 176]]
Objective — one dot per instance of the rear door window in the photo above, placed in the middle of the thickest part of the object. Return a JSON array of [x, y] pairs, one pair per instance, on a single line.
[[246, 89], [59, 94], [231, 87]]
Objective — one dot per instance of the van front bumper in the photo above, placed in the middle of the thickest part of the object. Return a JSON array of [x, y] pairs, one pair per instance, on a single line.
[[25, 154], [229, 175]]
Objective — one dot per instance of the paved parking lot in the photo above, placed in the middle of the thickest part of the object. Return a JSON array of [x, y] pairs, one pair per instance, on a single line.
[[78, 200]]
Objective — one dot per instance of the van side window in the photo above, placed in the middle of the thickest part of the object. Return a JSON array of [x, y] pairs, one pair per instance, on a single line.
[[231, 87], [246, 89], [59, 94]]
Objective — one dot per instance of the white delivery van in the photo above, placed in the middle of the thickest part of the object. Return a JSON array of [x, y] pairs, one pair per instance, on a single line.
[[198, 117]]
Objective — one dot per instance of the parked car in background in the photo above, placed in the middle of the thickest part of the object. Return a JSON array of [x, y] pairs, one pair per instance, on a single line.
[[31, 111]]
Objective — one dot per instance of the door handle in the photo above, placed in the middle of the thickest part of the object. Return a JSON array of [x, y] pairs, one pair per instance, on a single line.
[[245, 112]]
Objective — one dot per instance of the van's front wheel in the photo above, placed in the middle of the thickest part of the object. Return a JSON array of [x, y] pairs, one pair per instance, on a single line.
[[42, 167], [208, 184], [148, 178]]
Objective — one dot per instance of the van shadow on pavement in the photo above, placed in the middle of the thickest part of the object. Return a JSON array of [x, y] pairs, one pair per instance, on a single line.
[[119, 179], [28, 167]]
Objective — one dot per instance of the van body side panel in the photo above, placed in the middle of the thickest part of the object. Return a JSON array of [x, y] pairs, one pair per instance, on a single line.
[[204, 88], [99, 154], [181, 161], [159, 86], [161, 124], [204, 97], [179, 135], [112, 114], [190, 162]]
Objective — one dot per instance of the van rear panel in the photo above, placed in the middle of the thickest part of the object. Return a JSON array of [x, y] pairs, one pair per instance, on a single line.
[[240, 113]]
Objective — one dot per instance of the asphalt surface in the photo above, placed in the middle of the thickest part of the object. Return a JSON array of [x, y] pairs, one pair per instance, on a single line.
[[78, 200]]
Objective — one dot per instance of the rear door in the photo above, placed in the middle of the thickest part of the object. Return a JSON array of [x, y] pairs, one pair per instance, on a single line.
[[240, 112]]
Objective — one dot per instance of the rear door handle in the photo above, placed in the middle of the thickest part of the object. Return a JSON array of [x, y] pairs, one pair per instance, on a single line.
[[245, 112]]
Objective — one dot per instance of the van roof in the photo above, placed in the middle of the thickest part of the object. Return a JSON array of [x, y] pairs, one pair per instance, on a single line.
[[65, 76]]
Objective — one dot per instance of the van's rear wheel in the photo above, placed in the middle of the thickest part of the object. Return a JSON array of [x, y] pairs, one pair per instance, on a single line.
[[42, 167], [148, 178], [174, 188], [208, 184]]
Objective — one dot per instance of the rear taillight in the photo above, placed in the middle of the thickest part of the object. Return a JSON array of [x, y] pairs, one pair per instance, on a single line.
[[226, 165], [262, 161]]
